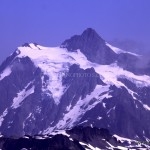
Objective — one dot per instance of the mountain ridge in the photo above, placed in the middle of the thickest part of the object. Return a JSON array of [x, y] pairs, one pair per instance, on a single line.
[[78, 138]]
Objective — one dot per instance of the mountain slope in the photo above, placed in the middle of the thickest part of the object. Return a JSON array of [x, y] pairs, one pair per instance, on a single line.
[[85, 81]]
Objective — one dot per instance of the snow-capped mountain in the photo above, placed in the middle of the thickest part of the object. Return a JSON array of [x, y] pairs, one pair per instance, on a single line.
[[85, 81]]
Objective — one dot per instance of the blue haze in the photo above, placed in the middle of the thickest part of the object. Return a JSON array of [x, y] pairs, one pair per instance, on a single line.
[[50, 22]]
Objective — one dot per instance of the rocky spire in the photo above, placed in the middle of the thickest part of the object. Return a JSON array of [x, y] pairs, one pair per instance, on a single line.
[[92, 46]]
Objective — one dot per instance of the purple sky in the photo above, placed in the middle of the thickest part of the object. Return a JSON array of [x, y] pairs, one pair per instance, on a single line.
[[50, 22]]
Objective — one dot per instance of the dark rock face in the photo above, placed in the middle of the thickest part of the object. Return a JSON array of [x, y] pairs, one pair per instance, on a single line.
[[85, 79], [122, 114], [93, 136], [58, 142], [88, 134], [8, 60], [92, 46], [17, 121], [79, 138]]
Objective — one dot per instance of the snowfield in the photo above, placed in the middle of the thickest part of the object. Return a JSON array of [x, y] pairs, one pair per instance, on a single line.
[[55, 62]]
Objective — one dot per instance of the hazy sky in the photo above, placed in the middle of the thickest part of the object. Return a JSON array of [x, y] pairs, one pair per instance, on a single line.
[[50, 22]]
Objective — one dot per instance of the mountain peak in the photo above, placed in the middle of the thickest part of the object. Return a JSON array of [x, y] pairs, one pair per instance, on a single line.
[[89, 30], [92, 46], [90, 33], [88, 36]]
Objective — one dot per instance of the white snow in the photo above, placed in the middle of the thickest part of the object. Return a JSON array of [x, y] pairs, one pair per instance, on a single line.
[[22, 95], [28, 117], [110, 110], [2, 116], [118, 50], [118, 147], [122, 148], [99, 118], [82, 106], [33, 46], [91, 125], [112, 72], [38, 109], [122, 138], [104, 105], [83, 122], [68, 107], [55, 62], [146, 107], [131, 143], [26, 137], [90, 147], [63, 132], [70, 139], [5, 73], [30, 114], [39, 138]]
